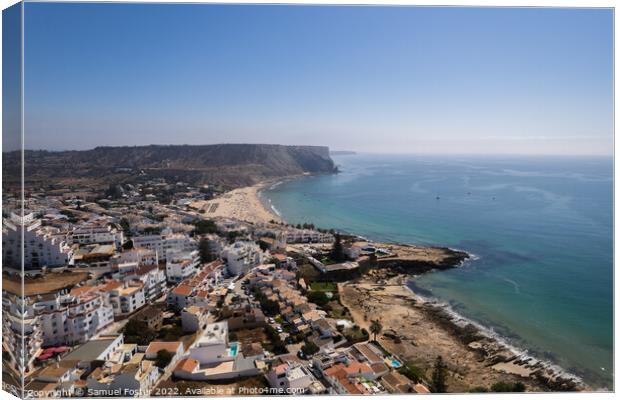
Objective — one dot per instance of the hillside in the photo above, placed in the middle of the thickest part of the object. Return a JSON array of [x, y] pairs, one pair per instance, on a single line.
[[229, 165]]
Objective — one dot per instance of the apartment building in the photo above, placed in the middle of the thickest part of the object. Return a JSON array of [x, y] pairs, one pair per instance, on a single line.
[[96, 233], [165, 243], [181, 265], [51, 319], [43, 246], [242, 256]]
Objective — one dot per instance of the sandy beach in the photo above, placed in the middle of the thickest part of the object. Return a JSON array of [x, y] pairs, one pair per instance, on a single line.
[[412, 331], [243, 204]]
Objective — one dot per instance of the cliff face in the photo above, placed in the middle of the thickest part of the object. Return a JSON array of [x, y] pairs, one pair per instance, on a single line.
[[230, 165]]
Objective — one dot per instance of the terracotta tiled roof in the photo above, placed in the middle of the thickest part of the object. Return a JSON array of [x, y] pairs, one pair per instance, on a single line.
[[183, 290], [187, 365], [172, 347]]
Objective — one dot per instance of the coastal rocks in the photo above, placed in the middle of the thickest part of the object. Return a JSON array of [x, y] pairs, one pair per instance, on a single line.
[[497, 356], [411, 260]]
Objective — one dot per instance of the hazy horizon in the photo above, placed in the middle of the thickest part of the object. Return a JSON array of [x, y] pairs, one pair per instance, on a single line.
[[390, 80], [396, 153]]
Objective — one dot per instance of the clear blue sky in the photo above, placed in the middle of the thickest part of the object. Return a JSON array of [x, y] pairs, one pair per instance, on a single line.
[[383, 79]]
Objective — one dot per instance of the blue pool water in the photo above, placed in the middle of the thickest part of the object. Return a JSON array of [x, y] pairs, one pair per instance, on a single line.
[[234, 348], [540, 227]]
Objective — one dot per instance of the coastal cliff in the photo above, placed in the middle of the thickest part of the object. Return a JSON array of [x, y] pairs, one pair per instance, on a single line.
[[229, 165]]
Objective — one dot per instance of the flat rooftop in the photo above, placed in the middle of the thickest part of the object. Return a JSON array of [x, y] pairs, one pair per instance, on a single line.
[[90, 350]]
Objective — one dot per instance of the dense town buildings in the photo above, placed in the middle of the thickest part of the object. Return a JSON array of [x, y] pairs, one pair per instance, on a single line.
[[126, 296]]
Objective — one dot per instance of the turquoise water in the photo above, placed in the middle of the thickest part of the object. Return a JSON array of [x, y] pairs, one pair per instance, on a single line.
[[234, 348], [541, 229]]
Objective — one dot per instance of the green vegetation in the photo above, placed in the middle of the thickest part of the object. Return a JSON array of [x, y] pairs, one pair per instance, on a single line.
[[355, 334], [318, 298], [308, 272], [124, 223], [310, 348], [412, 372], [337, 253], [324, 287], [163, 358], [440, 375], [139, 333], [375, 328], [128, 245], [502, 386], [203, 249], [337, 310], [170, 333], [205, 226], [276, 345], [269, 307]]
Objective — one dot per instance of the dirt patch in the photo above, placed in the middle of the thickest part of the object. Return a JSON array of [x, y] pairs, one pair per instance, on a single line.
[[49, 283]]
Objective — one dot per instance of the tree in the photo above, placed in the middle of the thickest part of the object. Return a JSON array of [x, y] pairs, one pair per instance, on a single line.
[[375, 328], [138, 332], [205, 226], [440, 375], [412, 372], [337, 253], [205, 253], [124, 223], [310, 348], [163, 358], [502, 386], [128, 245], [317, 297]]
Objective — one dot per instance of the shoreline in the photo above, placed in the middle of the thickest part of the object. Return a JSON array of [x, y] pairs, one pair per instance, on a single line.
[[419, 331], [244, 204], [519, 363], [509, 361]]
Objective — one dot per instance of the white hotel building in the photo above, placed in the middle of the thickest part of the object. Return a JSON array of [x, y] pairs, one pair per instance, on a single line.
[[166, 243], [96, 233], [41, 247], [242, 256], [50, 320]]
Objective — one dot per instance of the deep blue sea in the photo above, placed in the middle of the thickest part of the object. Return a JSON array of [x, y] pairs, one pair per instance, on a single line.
[[541, 229]]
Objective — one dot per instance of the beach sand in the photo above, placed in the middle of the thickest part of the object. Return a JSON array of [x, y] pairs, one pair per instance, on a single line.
[[243, 204], [420, 339]]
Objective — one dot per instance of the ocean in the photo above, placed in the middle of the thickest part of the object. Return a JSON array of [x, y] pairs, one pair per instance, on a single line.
[[541, 230]]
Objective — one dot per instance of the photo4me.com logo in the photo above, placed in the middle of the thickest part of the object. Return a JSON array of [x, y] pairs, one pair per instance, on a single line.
[[268, 391]]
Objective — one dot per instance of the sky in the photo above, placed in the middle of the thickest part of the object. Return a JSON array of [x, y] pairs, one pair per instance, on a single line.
[[368, 79]]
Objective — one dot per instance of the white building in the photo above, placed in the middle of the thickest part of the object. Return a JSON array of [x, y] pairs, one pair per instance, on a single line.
[[166, 243], [153, 278], [242, 256], [127, 297], [293, 378], [72, 319], [138, 255], [51, 320], [43, 247], [212, 346], [181, 265], [96, 233]]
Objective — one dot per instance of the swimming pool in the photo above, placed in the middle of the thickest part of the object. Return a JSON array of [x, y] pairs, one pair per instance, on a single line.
[[395, 363], [234, 348]]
